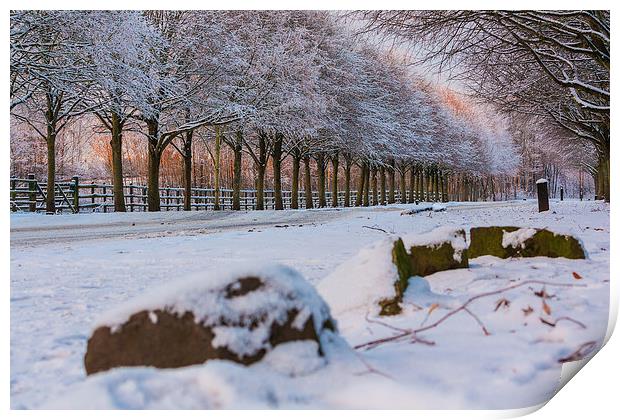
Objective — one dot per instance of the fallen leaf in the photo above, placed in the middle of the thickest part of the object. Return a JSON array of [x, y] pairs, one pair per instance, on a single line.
[[577, 276], [528, 310], [546, 308], [502, 302], [543, 294], [432, 308]]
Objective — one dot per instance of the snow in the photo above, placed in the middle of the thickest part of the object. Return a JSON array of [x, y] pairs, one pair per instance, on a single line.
[[517, 238], [542, 181], [66, 271], [437, 237], [362, 281], [418, 208]]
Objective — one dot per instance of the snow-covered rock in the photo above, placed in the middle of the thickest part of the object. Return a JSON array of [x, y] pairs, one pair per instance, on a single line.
[[359, 283], [512, 241], [375, 280], [238, 314], [444, 235]]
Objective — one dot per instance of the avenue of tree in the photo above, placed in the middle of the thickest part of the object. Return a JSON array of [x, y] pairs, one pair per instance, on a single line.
[[298, 88]]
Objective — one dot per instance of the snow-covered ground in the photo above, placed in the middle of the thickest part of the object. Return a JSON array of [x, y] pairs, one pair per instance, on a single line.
[[67, 270]]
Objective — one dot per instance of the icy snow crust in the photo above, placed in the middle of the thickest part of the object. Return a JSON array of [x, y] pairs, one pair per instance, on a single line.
[[99, 261], [204, 295]]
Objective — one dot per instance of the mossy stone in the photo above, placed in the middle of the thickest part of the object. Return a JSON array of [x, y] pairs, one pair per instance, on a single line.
[[423, 260], [544, 243], [488, 241], [402, 261], [429, 259]]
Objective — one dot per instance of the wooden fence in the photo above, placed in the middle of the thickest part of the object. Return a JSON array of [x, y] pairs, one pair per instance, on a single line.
[[29, 195]]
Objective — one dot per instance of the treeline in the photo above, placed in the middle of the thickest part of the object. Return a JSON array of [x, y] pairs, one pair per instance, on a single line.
[[270, 87]]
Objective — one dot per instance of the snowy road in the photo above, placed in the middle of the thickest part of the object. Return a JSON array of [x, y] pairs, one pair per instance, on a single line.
[[32, 230], [66, 270]]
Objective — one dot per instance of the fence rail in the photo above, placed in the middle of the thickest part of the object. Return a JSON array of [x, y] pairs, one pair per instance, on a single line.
[[29, 195]]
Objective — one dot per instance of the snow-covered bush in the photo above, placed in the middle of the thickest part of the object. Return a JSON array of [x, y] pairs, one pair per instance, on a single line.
[[239, 315]]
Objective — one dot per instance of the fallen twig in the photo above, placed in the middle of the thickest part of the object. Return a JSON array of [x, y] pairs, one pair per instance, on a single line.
[[371, 369], [375, 228], [463, 307], [473, 315], [568, 318], [580, 353]]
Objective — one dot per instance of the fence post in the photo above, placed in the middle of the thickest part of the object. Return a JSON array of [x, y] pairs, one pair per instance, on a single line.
[[76, 194], [32, 186], [543, 195], [13, 195], [105, 199], [131, 196], [144, 191]]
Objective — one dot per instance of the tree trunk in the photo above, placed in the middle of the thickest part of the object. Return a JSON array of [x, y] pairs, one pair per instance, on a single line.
[[261, 167], [216, 169], [260, 188], [152, 199], [427, 185], [403, 187], [335, 180], [444, 187], [420, 184], [366, 186], [237, 149], [412, 185], [276, 160], [117, 163], [347, 183], [360, 185], [383, 190], [154, 160], [50, 201], [308, 183], [295, 182], [392, 182], [320, 166], [187, 171], [602, 186], [435, 185], [375, 189]]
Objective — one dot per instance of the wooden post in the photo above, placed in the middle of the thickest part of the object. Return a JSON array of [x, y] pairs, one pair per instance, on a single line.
[[13, 195], [561, 193], [543, 195], [76, 194], [32, 186], [105, 199], [131, 196], [144, 191]]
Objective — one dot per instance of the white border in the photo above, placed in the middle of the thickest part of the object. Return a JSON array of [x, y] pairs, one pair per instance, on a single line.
[[592, 395]]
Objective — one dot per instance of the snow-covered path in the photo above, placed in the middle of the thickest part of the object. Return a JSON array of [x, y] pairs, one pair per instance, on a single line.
[[65, 270], [30, 230]]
